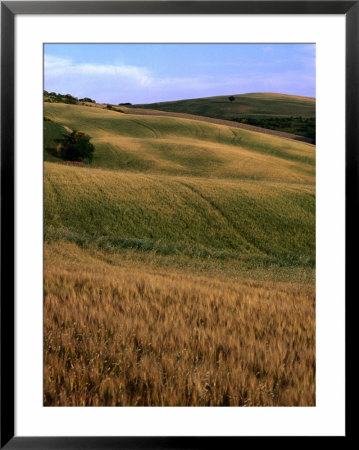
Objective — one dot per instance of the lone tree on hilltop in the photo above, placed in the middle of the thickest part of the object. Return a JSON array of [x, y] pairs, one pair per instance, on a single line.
[[231, 98], [77, 147]]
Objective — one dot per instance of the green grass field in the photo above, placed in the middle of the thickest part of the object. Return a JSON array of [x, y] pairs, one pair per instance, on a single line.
[[177, 215]]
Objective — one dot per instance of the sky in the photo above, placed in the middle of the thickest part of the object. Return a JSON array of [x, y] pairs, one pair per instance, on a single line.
[[147, 73]]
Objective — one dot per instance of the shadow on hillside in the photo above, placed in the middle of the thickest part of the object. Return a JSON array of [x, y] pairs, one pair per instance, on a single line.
[[54, 151]]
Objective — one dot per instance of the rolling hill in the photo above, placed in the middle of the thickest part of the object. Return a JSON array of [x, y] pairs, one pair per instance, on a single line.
[[244, 105], [173, 146], [180, 187], [286, 113]]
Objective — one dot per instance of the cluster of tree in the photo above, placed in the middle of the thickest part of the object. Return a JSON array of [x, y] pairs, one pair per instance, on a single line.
[[52, 97], [77, 147], [87, 99], [124, 104]]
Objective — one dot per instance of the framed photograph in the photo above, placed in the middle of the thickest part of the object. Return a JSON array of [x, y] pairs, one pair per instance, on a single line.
[[177, 187]]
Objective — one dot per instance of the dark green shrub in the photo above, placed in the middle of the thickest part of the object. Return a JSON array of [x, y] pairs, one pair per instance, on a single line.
[[87, 100], [70, 97], [77, 147]]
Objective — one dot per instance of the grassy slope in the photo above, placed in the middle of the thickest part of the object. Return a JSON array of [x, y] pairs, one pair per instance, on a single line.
[[245, 105], [172, 146], [190, 216]]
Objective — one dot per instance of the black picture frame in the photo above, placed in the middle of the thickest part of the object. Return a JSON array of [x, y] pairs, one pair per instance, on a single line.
[[9, 9]]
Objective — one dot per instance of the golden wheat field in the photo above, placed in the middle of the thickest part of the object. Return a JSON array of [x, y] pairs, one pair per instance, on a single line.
[[118, 336]]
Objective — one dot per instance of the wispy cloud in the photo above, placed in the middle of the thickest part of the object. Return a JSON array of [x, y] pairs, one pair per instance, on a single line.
[[118, 82], [114, 80], [56, 67]]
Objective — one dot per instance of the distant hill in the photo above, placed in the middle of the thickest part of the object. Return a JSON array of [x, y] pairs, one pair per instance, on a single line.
[[244, 105], [289, 113]]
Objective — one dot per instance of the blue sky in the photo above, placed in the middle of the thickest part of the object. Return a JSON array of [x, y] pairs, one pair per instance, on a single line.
[[146, 73]]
